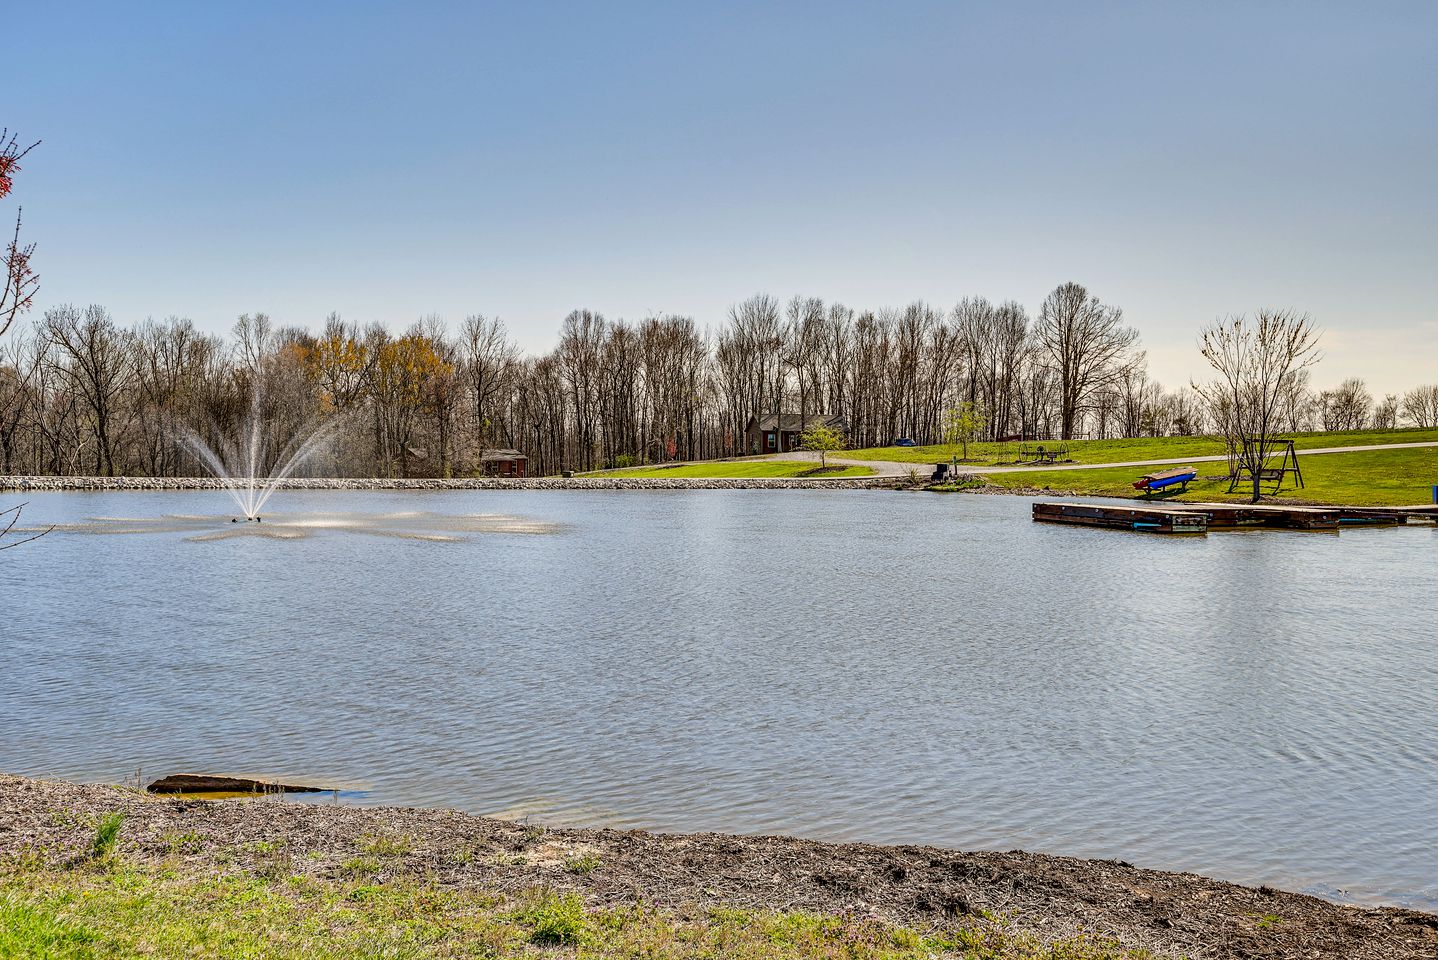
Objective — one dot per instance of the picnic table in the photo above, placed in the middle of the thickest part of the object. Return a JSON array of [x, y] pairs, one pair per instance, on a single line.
[[1152, 482]]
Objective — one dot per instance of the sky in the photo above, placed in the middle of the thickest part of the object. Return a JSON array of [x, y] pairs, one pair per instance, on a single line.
[[1184, 161]]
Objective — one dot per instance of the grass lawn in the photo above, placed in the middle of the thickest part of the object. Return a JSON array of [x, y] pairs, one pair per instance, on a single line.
[[1374, 478], [1143, 448], [740, 468], [117, 909]]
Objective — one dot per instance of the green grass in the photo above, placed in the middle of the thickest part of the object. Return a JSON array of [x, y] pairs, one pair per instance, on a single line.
[[159, 911], [1142, 448], [1374, 478], [582, 865], [28, 931], [797, 469], [107, 835]]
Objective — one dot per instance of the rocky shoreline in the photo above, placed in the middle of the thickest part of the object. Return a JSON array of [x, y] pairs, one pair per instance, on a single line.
[[43, 824], [55, 484]]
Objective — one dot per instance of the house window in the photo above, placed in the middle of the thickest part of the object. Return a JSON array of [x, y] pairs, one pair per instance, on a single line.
[[770, 441]]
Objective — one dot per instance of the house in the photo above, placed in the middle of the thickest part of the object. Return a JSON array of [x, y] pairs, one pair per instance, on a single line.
[[782, 432], [503, 463]]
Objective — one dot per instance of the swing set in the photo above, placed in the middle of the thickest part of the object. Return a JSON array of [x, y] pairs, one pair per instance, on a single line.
[[1240, 469]]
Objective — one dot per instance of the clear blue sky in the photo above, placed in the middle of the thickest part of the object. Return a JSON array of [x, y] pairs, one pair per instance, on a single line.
[[393, 160]]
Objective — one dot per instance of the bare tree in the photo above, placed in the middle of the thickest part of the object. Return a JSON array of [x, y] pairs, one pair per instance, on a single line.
[[94, 355], [1420, 406], [18, 364], [1296, 402], [487, 359], [1346, 407], [803, 339], [1385, 415], [1086, 343], [581, 342], [754, 356], [254, 341], [1254, 359]]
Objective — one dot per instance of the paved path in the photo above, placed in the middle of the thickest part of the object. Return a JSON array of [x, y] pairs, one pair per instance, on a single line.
[[881, 468], [893, 468]]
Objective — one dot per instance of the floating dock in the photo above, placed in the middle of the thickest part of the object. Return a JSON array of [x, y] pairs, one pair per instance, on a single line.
[[1201, 517], [1232, 516], [1147, 519]]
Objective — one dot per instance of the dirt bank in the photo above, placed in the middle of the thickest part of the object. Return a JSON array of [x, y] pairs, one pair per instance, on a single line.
[[1170, 914]]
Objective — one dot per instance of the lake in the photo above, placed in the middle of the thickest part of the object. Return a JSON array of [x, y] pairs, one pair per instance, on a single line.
[[872, 665]]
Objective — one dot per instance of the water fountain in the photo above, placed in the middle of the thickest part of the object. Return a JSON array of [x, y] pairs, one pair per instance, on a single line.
[[250, 475], [241, 463]]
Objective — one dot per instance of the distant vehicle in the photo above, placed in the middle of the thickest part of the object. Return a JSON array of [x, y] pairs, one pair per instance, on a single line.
[[905, 442]]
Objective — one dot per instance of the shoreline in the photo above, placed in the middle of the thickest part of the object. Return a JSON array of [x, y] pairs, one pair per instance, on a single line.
[[85, 484], [32, 484], [45, 825]]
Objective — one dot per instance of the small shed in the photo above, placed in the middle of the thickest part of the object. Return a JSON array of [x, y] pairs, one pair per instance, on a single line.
[[503, 463], [783, 432]]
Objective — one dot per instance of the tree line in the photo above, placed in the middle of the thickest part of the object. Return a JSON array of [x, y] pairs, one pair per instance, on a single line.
[[82, 394]]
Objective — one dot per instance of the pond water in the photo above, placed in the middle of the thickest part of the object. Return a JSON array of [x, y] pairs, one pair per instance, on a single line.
[[900, 668]]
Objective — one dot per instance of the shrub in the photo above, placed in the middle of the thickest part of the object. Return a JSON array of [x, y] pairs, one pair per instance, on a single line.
[[107, 835], [554, 919], [581, 865]]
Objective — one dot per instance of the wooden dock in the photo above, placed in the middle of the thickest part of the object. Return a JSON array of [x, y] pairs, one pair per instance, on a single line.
[[1419, 513], [1238, 516], [1176, 517], [1143, 519]]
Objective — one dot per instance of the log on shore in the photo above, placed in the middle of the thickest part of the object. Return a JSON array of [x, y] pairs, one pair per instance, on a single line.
[[218, 783]]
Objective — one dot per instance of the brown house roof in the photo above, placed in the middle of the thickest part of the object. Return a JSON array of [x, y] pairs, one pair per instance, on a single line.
[[794, 423], [502, 455]]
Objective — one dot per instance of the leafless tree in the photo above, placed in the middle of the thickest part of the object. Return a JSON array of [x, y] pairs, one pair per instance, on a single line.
[[1087, 345], [752, 364], [1346, 407], [1420, 406], [1296, 403], [254, 341], [1385, 414], [18, 364], [581, 344], [673, 383], [1253, 360], [487, 359], [90, 351]]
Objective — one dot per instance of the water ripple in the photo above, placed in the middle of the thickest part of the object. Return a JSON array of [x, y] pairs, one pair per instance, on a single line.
[[844, 665]]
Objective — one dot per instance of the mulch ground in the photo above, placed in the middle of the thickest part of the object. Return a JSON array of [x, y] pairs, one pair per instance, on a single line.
[[1171, 914]]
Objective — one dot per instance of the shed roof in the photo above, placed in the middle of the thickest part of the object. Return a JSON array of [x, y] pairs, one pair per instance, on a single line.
[[502, 455]]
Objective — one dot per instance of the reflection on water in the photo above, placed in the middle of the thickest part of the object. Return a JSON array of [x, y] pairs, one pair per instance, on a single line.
[[408, 525], [837, 664]]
